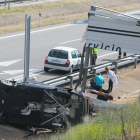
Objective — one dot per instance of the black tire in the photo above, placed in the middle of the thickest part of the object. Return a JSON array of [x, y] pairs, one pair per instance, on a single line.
[[71, 69], [46, 69]]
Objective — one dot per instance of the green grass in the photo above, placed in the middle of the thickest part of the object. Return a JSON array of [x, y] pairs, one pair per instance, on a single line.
[[41, 6], [109, 125]]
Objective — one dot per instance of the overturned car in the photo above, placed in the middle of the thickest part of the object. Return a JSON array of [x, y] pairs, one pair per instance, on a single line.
[[40, 105]]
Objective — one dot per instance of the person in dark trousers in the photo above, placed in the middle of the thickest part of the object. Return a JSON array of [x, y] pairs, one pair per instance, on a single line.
[[92, 82], [103, 96], [112, 79], [94, 55]]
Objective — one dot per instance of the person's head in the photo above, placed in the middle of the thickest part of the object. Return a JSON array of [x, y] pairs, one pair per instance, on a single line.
[[93, 76], [106, 69], [110, 97]]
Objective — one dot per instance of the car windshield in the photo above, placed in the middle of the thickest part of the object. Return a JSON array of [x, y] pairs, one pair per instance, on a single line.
[[58, 53]]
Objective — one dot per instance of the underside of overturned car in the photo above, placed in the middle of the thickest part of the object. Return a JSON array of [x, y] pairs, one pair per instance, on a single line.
[[40, 105]]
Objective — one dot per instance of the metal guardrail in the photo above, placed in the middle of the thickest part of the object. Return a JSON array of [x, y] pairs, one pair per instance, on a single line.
[[120, 62], [6, 1]]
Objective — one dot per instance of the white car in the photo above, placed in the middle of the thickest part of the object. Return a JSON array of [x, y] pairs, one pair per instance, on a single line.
[[63, 58]]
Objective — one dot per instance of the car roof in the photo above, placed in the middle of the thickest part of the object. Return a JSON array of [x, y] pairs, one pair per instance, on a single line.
[[65, 48]]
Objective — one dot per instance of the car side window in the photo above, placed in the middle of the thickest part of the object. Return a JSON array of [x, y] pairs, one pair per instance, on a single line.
[[73, 54], [78, 54]]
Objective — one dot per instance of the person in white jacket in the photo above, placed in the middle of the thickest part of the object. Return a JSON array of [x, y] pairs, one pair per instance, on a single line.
[[112, 79]]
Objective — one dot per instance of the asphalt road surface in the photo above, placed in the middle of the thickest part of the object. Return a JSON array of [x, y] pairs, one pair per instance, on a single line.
[[42, 41]]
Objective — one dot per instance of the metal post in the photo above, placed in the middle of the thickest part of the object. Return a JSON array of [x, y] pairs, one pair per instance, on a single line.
[[27, 47], [71, 80], [116, 68], [119, 56], [135, 65], [93, 8], [9, 5], [5, 2], [21, 1], [91, 59], [85, 72], [124, 54], [81, 67], [39, 18]]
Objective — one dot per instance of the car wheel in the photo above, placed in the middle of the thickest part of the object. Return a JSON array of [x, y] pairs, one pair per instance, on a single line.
[[71, 69], [46, 69]]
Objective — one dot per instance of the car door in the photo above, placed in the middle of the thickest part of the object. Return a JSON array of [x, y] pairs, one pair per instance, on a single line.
[[74, 59], [78, 54]]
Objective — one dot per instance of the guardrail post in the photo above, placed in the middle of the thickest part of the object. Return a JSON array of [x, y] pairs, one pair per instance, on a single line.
[[135, 64], [71, 81], [9, 5], [39, 18], [116, 66], [124, 54], [91, 60], [119, 55]]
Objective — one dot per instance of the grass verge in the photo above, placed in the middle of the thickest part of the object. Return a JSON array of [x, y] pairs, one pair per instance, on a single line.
[[58, 18], [111, 124], [41, 6]]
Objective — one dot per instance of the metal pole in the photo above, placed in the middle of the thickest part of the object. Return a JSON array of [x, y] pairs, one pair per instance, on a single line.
[[135, 65], [91, 59], [85, 65], [9, 5], [116, 68], [5, 2], [119, 55], [39, 18], [124, 54], [21, 1], [81, 67], [71, 80], [27, 47]]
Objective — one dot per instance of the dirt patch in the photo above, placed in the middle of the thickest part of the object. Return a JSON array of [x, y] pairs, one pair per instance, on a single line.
[[54, 15]]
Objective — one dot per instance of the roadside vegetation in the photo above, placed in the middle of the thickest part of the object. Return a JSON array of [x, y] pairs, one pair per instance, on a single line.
[[42, 6], [56, 12], [110, 124]]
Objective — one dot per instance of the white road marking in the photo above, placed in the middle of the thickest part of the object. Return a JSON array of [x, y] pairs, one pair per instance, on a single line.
[[107, 54], [32, 72], [70, 41], [31, 75], [14, 72], [37, 31], [2, 73], [50, 28], [8, 63]]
